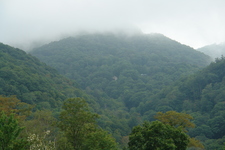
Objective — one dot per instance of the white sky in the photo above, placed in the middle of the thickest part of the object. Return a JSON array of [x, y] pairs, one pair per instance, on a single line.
[[192, 22]]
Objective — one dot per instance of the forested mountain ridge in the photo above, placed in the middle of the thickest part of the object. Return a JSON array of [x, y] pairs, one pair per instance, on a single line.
[[130, 78], [119, 45], [126, 68], [32, 81], [122, 72]]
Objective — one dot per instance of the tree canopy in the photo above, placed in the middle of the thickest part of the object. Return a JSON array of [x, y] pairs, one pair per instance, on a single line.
[[32, 81], [9, 132], [201, 96], [121, 67], [156, 136], [175, 119], [80, 128], [127, 80]]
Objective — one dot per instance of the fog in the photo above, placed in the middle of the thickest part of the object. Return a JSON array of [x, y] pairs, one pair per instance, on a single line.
[[28, 23]]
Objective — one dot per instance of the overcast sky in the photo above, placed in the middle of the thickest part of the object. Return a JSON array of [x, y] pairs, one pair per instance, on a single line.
[[192, 22]]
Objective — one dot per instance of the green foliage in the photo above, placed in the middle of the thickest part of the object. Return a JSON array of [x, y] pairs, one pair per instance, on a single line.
[[126, 78], [98, 139], [38, 123], [9, 132], [202, 96], [118, 66], [157, 136], [74, 120], [122, 73], [182, 121], [32, 81], [79, 126]]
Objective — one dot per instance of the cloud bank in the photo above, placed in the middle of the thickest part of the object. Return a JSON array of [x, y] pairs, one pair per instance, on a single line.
[[194, 23]]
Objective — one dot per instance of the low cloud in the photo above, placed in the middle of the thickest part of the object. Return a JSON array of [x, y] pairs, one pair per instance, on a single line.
[[25, 23]]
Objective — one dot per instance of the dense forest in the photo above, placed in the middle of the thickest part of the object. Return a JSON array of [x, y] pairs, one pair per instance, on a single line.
[[125, 68], [33, 81], [202, 96], [132, 70], [34, 99], [115, 83]]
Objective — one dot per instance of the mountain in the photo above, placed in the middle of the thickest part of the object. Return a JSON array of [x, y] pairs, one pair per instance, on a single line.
[[202, 96], [36, 83], [125, 68], [129, 78], [214, 50], [32, 81], [123, 73]]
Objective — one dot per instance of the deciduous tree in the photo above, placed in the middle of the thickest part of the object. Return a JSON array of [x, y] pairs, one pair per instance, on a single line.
[[79, 126], [175, 119], [179, 120], [13, 105], [157, 136]]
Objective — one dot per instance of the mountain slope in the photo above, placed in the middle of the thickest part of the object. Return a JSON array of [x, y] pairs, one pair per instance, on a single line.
[[202, 96], [126, 68], [32, 81], [36, 83]]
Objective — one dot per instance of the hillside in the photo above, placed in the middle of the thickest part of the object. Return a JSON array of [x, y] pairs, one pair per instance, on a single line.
[[32, 81], [214, 50], [125, 68], [36, 83], [202, 96], [129, 78]]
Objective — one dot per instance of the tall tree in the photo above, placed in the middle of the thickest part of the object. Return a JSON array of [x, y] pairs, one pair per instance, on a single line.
[[99, 139], [179, 120], [79, 126], [73, 120], [156, 136]]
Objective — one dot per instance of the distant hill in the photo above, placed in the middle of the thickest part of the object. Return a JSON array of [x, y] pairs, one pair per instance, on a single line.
[[32, 81], [214, 50], [126, 68]]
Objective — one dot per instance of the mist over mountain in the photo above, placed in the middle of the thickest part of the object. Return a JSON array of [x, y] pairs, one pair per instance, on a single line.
[[214, 50], [126, 79], [115, 63], [101, 55], [142, 74], [57, 18]]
